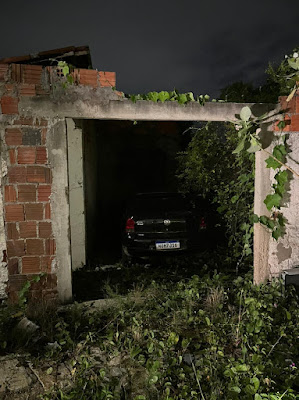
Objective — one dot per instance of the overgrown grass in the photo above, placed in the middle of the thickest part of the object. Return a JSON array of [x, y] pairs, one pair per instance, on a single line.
[[206, 337]]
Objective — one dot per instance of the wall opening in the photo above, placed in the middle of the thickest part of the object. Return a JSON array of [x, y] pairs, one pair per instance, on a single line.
[[118, 159]]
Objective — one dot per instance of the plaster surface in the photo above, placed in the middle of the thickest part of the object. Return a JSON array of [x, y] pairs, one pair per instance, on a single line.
[[3, 263], [57, 153], [76, 194], [87, 103]]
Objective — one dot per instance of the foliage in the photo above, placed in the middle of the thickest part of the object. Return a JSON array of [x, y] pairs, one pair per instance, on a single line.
[[209, 168], [286, 74], [174, 95], [240, 92], [204, 338]]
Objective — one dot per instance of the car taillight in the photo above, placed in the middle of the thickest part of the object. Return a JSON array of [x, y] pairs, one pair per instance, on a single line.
[[130, 225], [202, 224]]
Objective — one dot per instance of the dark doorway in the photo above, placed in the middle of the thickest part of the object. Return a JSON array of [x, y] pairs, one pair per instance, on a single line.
[[120, 159]]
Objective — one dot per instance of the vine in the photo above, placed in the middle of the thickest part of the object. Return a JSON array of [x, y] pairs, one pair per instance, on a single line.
[[249, 128]]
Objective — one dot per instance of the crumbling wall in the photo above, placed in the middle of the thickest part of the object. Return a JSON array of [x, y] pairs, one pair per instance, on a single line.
[[271, 257]]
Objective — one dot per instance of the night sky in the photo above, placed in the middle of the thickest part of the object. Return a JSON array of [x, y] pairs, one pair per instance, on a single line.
[[194, 45]]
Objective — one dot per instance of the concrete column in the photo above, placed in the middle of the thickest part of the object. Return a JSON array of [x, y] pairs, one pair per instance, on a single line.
[[3, 263], [76, 194], [57, 152], [262, 236]]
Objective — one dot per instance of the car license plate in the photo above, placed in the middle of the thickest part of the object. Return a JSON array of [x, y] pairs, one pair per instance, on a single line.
[[170, 244]]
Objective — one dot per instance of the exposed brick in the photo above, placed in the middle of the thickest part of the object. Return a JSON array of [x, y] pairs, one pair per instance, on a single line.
[[10, 194], [24, 121], [51, 281], [107, 79], [9, 105], [16, 282], [15, 248], [9, 89], [43, 192], [46, 264], [47, 211], [16, 72], [27, 90], [50, 247], [41, 122], [287, 120], [41, 155], [26, 155], [34, 211], [30, 265], [50, 296], [12, 232], [31, 136], [44, 136], [32, 74], [14, 212], [290, 107], [297, 103], [16, 174], [295, 123], [13, 266], [12, 156], [13, 136], [3, 72], [26, 193], [38, 174], [28, 229], [35, 247], [88, 77], [45, 229]]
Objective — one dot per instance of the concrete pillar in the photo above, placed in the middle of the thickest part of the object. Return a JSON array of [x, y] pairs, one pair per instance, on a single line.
[[76, 194], [57, 153]]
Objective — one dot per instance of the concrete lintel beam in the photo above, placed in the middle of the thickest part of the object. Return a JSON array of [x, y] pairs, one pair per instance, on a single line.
[[140, 111]]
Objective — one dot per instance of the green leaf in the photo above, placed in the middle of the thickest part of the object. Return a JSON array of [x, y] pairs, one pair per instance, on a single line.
[[163, 96], [182, 98], [65, 70], [271, 163], [279, 152], [281, 125], [249, 389], [245, 113], [190, 96], [240, 146], [235, 389], [241, 368], [281, 177], [234, 199], [257, 397], [153, 96], [277, 233], [256, 382], [255, 218], [272, 200], [49, 371], [294, 64], [254, 146]]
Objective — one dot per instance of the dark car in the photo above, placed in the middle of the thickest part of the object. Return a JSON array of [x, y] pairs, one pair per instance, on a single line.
[[163, 223]]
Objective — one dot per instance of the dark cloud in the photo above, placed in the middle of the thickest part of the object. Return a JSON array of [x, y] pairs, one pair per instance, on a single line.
[[195, 46]]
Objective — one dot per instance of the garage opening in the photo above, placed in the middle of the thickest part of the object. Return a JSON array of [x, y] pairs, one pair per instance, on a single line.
[[109, 162]]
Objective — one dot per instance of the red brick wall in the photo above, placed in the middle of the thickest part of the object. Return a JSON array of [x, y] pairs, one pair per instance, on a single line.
[[291, 117], [27, 187], [27, 191]]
